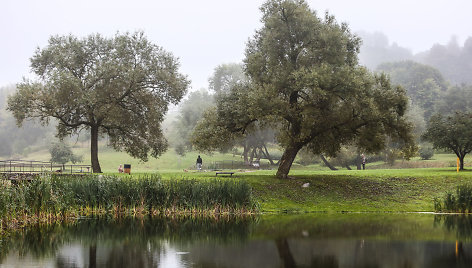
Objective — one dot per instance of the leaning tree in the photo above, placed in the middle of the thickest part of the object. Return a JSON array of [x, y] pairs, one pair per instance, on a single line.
[[305, 81], [119, 86]]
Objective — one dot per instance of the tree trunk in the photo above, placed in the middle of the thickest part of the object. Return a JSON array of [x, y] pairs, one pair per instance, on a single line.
[[245, 152], [253, 153], [359, 162], [268, 155], [94, 150], [93, 256], [286, 161], [327, 163], [461, 159], [284, 253]]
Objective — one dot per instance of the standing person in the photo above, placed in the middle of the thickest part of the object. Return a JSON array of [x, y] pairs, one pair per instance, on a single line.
[[120, 169], [363, 161], [199, 163]]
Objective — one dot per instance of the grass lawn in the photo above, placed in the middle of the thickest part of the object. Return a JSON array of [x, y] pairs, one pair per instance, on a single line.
[[169, 161], [393, 190], [372, 190]]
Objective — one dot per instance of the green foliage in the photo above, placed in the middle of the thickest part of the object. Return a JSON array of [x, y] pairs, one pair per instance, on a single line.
[[305, 81], [190, 113], [232, 104], [453, 133], [423, 84], [346, 157], [61, 153], [456, 99], [58, 194], [225, 77], [426, 152], [209, 135], [305, 158], [120, 86], [180, 149], [461, 201]]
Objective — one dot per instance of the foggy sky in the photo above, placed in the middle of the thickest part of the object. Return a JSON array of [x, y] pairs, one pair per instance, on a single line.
[[206, 33]]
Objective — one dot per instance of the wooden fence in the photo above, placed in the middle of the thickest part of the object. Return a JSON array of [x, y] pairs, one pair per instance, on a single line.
[[37, 167]]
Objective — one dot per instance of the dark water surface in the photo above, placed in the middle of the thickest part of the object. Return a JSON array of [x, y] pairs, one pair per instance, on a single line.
[[308, 240]]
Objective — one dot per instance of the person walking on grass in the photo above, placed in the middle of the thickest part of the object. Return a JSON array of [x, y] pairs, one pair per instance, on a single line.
[[363, 161], [199, 163]]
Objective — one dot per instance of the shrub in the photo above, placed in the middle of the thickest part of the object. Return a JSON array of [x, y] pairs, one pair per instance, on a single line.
[[461, 201], [426, 152]]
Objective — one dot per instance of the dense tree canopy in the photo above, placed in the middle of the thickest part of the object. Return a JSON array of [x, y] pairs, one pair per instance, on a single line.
[[424, 84], [118, 86], [456, 99], [230, 85], [226, 76], [304, 80]]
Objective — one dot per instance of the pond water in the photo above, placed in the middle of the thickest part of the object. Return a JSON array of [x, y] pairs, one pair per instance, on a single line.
[[306, 240]]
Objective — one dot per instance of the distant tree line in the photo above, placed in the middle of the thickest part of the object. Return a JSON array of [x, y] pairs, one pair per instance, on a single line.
[[452, 59], [14, 141]]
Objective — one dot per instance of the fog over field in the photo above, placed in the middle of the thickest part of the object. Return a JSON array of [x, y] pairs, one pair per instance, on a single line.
[[423, 46], [206, 33]]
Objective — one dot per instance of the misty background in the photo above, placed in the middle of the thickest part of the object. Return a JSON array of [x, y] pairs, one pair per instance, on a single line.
[[430, 39]]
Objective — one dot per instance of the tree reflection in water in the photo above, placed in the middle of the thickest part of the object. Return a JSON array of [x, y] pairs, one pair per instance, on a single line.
[[461, 225], [127, 242], [314, 240]]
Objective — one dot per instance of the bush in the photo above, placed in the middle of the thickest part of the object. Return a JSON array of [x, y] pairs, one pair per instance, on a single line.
[[61, 153], [180, 149], [426, 152], [461, 201]]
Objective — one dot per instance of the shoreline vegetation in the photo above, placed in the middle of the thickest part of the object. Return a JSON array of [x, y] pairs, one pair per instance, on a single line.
[[51, 198], [56, 198]]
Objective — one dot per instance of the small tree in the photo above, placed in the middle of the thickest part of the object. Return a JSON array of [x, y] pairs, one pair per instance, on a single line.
[[453, 133], [61, 153]]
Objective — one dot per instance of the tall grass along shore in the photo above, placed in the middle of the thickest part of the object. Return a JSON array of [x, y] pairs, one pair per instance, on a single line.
[[53, 197]]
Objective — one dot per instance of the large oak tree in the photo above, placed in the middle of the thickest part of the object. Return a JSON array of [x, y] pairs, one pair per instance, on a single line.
[[305, 81], [119, 86]]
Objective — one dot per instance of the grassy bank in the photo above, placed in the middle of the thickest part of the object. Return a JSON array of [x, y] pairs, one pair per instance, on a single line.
[[50, 198], [402, 190]]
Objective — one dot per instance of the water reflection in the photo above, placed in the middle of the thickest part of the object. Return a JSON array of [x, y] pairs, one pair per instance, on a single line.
[[313, 240]]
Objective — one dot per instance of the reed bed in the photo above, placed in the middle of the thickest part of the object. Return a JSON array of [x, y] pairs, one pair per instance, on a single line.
[[458, 202], [52, 197]]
